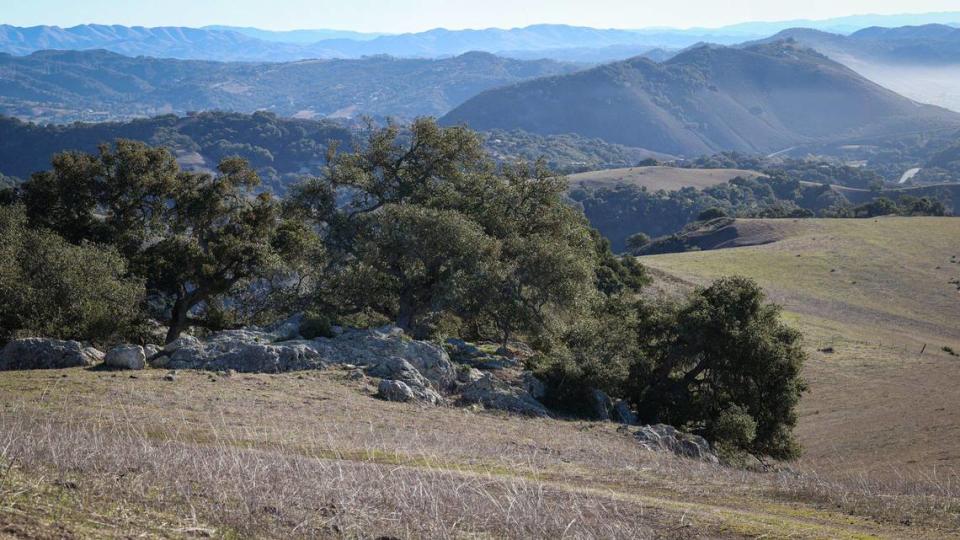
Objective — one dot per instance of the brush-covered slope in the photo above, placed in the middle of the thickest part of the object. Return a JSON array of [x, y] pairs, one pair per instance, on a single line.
[[99, 85], [757, 99]]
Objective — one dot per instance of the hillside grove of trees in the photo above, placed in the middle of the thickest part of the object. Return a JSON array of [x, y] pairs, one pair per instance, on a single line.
[[417, 227]]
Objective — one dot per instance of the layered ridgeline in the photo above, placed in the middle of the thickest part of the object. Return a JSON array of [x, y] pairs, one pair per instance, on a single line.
[[252, 44], [59, 86], [920, 62], [547, 40], [763, 98]]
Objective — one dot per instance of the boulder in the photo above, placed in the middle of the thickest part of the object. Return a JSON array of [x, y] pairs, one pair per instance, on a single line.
[[533, 385], [151, 350], [392, 390], [623, 414], [468, 375], [181, 342], [126, 357], [287, 329], [661, 437], [397, 368], [40, 353], [601, 404], [160, 361], [493, 393], [93, 354]]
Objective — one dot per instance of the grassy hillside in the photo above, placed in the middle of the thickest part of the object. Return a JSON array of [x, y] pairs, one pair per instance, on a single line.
[[656, 178], [316, 455], [873, 294]]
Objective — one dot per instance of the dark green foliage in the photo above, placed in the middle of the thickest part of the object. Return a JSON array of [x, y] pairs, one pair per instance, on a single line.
[[711, 213], [315, 325], [51, 288], [433, 229], [725, 347], [568, 153], [193, 237], [637, 241]]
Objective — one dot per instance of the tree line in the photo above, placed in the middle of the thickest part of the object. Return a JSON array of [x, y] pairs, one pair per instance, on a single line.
[[417, 227]]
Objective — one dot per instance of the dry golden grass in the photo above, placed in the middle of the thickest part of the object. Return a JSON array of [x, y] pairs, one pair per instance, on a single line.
[[655, 178], [875, 293], [89, 453]]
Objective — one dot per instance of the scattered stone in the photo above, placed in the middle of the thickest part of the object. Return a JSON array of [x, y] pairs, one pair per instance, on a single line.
[[151, 350], [126, 357], [171, 376], [40, 353], [661, 437], [356, 375]]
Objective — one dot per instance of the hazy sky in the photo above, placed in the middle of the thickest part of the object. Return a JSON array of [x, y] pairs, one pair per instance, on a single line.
[[416, 15]]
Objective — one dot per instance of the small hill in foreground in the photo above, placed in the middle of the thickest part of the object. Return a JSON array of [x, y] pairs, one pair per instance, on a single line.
[[759, 99], [869, 295], [657, 177]]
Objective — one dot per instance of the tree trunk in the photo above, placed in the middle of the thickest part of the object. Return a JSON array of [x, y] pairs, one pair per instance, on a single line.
[[406, 316], [178, 319]]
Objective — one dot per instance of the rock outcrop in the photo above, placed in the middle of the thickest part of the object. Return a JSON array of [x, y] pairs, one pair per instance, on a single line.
[[259, 351], [40, 353], [661, 437], [126, 357], [394, 390], [494, 393], [605, 408]]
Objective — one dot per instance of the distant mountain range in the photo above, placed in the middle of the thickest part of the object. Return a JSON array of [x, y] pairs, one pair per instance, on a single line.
[[63, 86], [562, 42], [931, 44], [760, 99]]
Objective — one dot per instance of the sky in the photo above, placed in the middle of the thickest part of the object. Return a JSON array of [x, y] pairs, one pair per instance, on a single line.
[[394, 16]]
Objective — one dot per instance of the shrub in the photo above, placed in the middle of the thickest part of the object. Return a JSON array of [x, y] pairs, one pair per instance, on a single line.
[[51, 288], [734, 428], [711, 213], [315, 325]]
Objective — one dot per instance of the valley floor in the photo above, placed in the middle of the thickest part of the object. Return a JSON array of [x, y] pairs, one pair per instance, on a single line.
[[93, 453]]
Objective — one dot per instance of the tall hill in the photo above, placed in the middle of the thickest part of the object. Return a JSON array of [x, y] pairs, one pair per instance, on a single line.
[[762, 98], [921, 62]]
